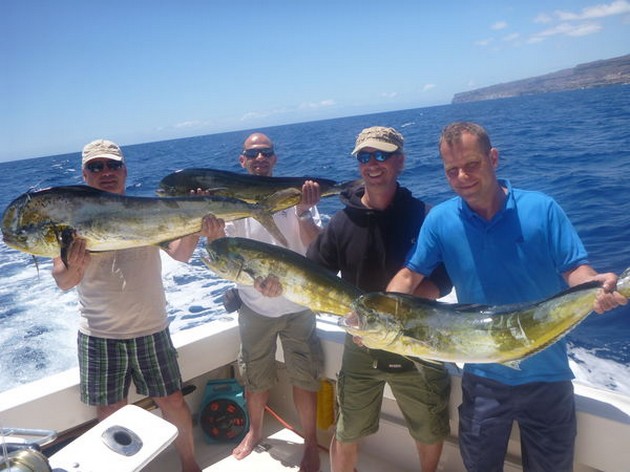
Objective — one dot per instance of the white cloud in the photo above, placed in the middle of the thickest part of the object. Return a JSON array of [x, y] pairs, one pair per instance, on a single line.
[[314, 105], [499, 25], [617, 7], [428, 87], [389, 94], [188, 124], [566, 29], [580, 23], [484, 42], [511, 37], [253, 115], [543, 18]]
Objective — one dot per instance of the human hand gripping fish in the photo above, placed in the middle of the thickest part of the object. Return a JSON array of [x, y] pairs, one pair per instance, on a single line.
[[608, 297], [269, 286]]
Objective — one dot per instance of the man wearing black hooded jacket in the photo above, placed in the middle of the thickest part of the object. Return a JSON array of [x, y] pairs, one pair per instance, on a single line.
[[367, 242]]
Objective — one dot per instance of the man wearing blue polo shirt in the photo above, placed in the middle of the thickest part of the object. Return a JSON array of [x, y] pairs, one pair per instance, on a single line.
[[502, 245]]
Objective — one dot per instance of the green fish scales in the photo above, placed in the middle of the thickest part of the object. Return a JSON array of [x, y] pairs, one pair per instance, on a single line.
[[445, 332], [242, 260], [36, 222]]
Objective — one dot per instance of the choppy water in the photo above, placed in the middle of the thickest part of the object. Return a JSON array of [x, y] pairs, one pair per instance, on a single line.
[[574, 146]]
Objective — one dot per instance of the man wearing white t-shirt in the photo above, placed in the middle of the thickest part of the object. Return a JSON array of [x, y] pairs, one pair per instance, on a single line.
[[264, 315]]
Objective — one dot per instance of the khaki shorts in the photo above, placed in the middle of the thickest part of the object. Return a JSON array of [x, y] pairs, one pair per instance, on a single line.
[[422, 396], [303, 355]]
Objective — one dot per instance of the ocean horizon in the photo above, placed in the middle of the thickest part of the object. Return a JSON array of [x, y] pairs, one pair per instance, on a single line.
[[574, 146]]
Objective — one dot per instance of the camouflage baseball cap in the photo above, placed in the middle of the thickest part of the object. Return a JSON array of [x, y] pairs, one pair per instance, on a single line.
[[379, 137]]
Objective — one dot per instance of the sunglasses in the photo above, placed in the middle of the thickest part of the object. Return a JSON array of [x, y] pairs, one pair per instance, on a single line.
[[253, 152], [97, 167], [381, 156]]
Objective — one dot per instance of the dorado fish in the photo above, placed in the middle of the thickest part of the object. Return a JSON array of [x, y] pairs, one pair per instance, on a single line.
[[248, 187], [44, 222], [304, 282], [437, 331]]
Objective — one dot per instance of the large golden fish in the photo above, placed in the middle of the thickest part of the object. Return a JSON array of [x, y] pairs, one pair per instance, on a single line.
[[248, 187], [413, 326], [304, 282], [44, 222]]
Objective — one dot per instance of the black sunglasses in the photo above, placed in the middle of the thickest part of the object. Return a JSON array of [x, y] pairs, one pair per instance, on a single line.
[[381, 156], [96, 167], [253, 152]]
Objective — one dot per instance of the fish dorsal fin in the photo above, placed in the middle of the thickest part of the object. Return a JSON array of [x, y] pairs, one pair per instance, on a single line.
[[73, 189]]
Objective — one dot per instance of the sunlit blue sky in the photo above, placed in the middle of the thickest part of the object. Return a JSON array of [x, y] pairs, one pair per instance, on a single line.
[[138, 71]]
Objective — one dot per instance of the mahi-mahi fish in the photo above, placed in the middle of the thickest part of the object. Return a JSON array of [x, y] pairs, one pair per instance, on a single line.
[[44, 222], [437, 331], [248, 187], [303, 281]]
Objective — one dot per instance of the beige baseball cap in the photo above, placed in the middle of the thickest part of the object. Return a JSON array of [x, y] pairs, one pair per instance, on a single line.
[[379, 137], [102, 148]]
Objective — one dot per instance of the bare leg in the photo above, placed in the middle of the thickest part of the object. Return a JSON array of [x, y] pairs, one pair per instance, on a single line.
[[343, 456], [175, 410], [256, 402], [306, 406], [429, 455], [103, 411]]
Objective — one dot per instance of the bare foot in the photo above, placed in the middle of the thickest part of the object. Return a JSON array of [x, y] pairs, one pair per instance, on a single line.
[[246, 446], [310, 460]]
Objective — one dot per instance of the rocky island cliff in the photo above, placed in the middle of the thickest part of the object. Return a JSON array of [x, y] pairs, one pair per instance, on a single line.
[[592, 74]]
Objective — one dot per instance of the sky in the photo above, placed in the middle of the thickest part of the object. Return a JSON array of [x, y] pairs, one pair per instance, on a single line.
[[138, 71]]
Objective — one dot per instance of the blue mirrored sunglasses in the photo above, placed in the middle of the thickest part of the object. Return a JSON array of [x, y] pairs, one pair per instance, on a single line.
[[253, 152], [381, 156], [99, 166]]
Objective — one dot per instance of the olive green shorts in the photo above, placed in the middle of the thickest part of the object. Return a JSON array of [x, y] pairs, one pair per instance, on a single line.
[[422, 396], [303, 356]]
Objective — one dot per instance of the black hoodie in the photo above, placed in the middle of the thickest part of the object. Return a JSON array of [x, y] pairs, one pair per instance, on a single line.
[[370, 246]]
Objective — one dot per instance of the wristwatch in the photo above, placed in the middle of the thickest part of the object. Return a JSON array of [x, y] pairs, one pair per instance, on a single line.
[[305, 215]]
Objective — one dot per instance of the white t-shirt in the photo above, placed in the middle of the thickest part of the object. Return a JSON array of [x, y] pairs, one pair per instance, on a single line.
[[121, 295], [288, 223]]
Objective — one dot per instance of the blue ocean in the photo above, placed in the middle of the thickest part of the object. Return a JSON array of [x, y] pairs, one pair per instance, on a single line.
[[575, 146]]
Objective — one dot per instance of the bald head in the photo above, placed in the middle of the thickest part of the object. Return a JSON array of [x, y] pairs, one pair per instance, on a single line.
[[257, 140], [258, 156]]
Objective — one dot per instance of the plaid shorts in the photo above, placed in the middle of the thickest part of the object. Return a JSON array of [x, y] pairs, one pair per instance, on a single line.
[[107, 367]]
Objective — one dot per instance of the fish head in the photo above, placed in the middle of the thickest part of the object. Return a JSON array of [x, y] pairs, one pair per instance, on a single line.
[[29, 231], [227, 263], [376, 328]]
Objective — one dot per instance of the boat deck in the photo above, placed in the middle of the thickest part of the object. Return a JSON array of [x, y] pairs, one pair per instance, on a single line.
[[281, 450]]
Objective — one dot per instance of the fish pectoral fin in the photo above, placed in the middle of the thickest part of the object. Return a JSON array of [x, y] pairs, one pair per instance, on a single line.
[[64, 238], [37, 265], [214, 190], [281, 200]]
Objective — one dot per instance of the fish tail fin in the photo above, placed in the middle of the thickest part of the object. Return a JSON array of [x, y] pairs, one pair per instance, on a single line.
[[345, 186], [275, 202], [266, 219]]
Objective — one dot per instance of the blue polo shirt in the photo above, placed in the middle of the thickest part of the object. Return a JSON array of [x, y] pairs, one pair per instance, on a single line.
[[517, 257]]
